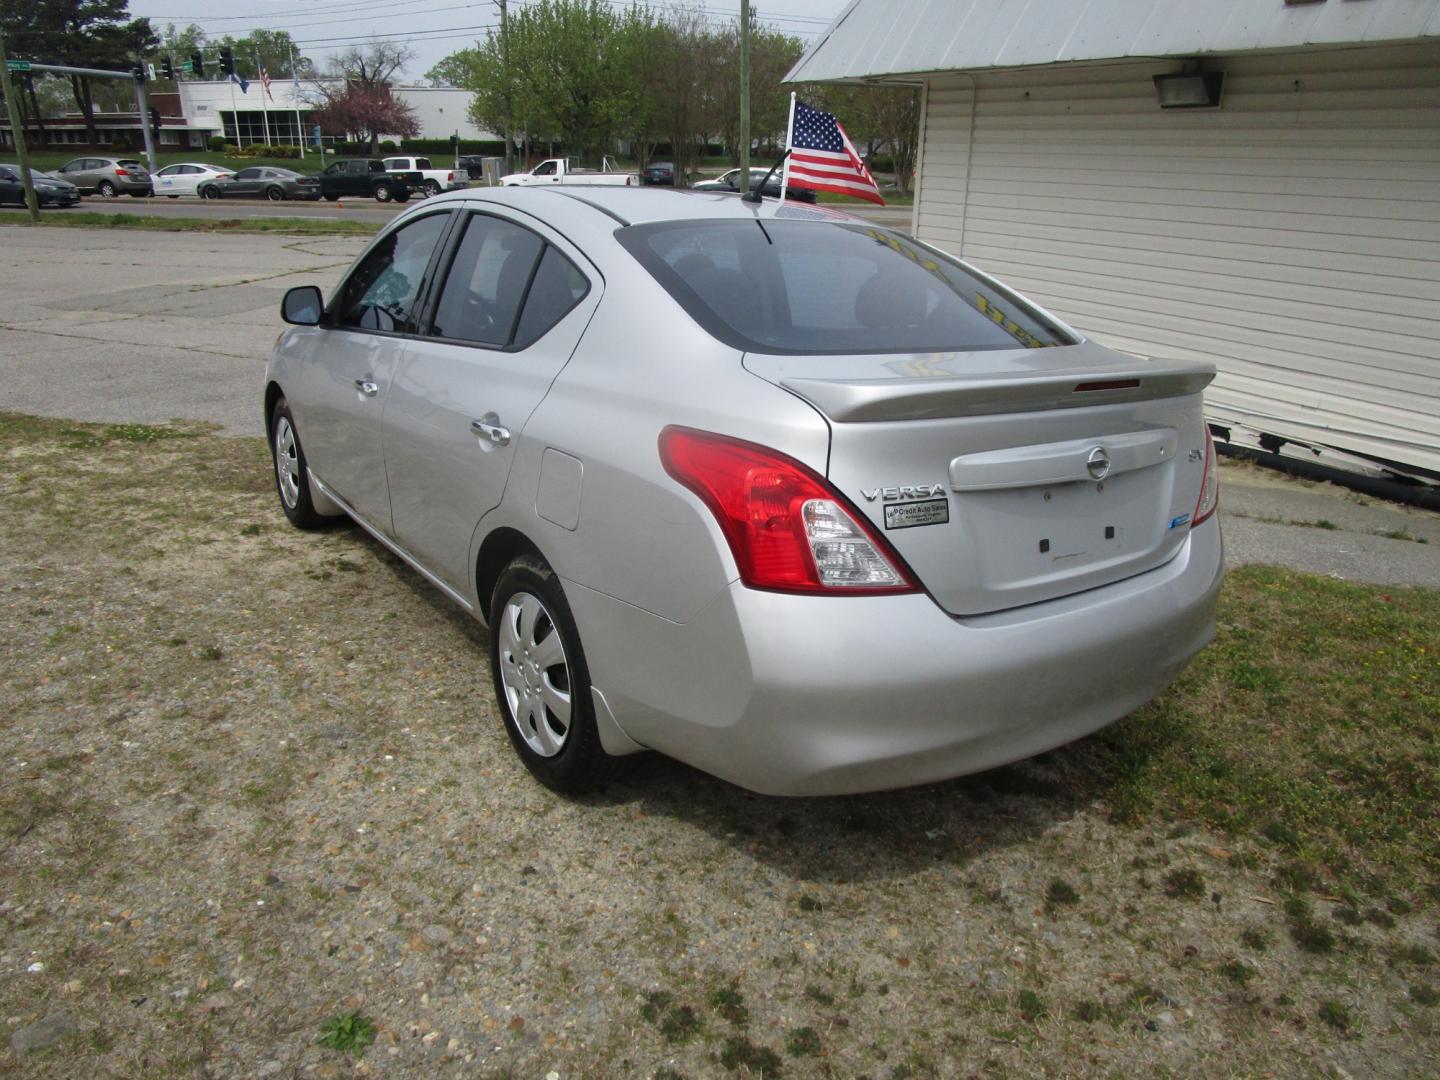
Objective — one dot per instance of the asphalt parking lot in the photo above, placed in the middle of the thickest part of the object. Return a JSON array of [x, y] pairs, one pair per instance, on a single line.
[[149, 327]]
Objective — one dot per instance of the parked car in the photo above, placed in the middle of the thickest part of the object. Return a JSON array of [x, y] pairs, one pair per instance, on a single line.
[[658, 173], [565, 171], [107, 176], [186, 178], [366, 177], [48, 190], [261, 182], [730, 181], [794, 498], [432, 180], [474, 165]]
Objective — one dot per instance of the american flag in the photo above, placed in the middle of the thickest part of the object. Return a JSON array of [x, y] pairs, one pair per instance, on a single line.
[[822, 157], [265, 82]]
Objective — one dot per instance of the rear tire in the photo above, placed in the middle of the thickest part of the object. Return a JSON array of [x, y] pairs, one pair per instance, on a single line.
[[106, 190], [275, 194], [332, 198], [403, 198], [432, 187], [292, 477], [542, 683]]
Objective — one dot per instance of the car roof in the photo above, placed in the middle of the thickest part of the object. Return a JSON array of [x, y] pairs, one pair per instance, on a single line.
[[644, 205]]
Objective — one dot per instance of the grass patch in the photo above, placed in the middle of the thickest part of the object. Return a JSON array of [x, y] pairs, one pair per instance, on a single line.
[[677, 1022], [290, 226], [1311, 721], [742, 1053], [730, 1004], [1334, 1014], [1060, 894], [349, 1033], [803, 1042], [1088, 1011], [1185, 884], [1030, 1004], [1236, 972]]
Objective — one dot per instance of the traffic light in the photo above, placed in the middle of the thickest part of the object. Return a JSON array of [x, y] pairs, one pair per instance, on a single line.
[[227, 60], [155, 117], [138, 73], [197, 65], [167, 68]]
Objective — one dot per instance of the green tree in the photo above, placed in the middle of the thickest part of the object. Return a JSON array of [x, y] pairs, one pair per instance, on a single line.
[[270, 49]]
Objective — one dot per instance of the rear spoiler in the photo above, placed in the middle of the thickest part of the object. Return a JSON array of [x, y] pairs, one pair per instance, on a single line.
[[860, 400]]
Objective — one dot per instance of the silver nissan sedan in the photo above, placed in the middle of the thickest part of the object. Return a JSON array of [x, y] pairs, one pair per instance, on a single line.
[[799, 500]]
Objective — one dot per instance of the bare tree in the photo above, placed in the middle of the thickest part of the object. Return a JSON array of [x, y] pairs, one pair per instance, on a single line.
[[374, 65]]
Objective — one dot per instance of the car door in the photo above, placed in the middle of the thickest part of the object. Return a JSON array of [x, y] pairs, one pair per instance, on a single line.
[[503, 322], [168, 181], [11, 190], [345, 381], [246, 183], [81, 172]]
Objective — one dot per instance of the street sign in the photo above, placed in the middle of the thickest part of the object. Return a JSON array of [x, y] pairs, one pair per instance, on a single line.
[[17, 65], [188, 68]]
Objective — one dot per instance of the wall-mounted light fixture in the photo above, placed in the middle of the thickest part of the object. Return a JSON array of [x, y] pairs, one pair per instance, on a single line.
[[1190, 89]]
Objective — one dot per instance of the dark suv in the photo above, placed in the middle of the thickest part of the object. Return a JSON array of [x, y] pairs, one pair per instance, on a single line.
[[367, 177]]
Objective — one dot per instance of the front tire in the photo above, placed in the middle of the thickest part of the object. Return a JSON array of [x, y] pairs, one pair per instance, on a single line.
[[292, 478], [332, 198], [541, 680], [211, 192], [383, 193]]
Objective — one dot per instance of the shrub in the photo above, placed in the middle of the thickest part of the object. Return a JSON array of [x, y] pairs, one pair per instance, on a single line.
[[217, 145]]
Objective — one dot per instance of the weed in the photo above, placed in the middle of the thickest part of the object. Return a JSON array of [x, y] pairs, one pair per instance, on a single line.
[[1087, 1011], [1398, 905], [677, 1023], [1030, 1005], [1382, 919], [1424, 994], [349, 1033], [1416, 955], [1295, 876], [1236, 972], [1184, 884], [1348, 915], [1252, 937], [728, 1002], [1060, 893], [809, 903], [1306, 932], [803, 1042], [820, 996], [759, 1060], [1281, 833], [1334, 1014], [253, 529], [211, 652]]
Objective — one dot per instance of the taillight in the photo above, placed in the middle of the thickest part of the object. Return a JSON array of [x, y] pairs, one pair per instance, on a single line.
[[788, 529], [121, 172], [450, 176], [1209, 499]]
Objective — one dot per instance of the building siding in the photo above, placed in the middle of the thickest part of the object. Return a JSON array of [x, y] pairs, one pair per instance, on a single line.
[[1292, 236]]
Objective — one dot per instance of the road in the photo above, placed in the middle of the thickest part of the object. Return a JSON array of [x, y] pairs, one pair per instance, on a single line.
[[151, 326]]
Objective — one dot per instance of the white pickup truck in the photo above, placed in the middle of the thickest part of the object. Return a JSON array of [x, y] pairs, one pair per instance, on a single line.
[[433, 180], [562, 171]]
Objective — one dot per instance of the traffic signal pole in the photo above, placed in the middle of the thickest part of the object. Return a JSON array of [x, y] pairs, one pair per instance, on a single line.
[[142, 102], [17, 129]]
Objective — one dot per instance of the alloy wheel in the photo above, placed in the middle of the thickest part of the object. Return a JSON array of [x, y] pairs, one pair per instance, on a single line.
[[535, 674], [287, 462]]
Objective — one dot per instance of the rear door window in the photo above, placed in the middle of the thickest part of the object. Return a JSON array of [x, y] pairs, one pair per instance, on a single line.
[[558, 287], [382, 292], [487, 282], [814, 287]]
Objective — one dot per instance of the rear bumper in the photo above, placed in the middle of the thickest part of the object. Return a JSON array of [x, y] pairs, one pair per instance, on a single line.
[[793, 695]]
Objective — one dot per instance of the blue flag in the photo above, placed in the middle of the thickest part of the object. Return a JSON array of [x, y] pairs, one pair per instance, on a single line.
[[242, 82]]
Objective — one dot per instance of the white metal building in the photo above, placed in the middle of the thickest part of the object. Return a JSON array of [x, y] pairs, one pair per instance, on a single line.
[[222, 108], [1291, 235]]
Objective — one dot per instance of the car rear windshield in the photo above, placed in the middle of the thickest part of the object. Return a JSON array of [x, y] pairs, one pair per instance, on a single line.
[[825, 287]]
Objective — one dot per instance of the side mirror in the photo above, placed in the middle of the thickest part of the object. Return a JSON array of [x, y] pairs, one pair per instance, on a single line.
[[302, 306]]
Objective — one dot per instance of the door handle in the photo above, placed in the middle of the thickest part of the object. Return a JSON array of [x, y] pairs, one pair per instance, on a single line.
[[488, 427], [366, 387]]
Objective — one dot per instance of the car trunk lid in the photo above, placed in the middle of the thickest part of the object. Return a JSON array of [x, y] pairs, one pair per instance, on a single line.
[[1010, 477]]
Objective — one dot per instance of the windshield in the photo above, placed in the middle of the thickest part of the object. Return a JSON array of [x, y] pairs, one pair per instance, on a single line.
[[810, 287]]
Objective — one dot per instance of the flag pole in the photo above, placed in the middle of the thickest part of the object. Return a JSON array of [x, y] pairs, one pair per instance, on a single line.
[[264, 112], [299, 123], [234, 111], [789, 143]]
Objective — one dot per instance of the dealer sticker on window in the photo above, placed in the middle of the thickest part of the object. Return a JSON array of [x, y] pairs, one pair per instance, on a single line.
[[908, 515]]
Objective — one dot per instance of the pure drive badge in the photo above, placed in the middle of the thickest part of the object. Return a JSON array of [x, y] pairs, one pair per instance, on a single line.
[[908, 515]]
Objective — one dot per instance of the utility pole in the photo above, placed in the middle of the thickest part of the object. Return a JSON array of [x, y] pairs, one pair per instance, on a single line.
[[505, 63], [744, 97], [17, 129]]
